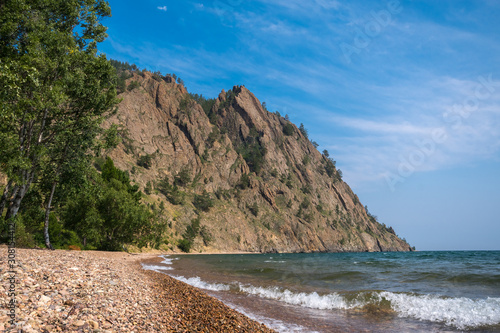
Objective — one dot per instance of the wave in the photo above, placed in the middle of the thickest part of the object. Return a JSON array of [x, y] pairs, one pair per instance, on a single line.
[[167, 260], [156, 267], [459, 312], [462, 313], [199, 283], [309, 300]]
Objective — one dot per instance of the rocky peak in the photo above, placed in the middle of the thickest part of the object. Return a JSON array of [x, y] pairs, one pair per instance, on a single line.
[[272, 190]]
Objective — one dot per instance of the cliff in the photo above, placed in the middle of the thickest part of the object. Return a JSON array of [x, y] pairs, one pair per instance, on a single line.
[[269, 189]]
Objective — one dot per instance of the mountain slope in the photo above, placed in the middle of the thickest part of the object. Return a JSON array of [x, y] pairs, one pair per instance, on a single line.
[[255, 181]]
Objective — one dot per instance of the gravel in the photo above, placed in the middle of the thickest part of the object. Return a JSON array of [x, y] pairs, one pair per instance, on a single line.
[[92, 291]]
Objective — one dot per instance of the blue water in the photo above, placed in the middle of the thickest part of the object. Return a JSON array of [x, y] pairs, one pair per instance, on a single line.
[[409, 291]]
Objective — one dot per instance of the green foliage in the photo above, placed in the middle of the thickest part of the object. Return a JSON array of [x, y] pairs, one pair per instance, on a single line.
[[149, 188], [132, 85], [107, 215], [109, 172], [213, 136], [145, 161], [306, 160], [315, 144], [183, 177], [55, 92], [287, 180], [244, 182], [306, 189], [123, 66], [206, 235], [305, 203], [203, 201], [288, 129], [184, 103], [185, 245], [254, 209], [274, 173], [304, 131], [192, 231], [205, 103], [171, 192], [253, 151]]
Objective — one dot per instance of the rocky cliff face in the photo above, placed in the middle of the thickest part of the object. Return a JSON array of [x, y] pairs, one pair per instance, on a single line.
[[272, 190]]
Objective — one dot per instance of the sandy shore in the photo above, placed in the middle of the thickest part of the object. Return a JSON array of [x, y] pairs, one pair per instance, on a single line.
[[91, 291]]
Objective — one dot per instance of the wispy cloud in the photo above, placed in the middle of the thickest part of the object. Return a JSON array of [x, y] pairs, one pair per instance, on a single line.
[[371, 113], [163, 8]]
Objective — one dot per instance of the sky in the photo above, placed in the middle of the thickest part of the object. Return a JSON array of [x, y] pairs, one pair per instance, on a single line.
[[405, 95]]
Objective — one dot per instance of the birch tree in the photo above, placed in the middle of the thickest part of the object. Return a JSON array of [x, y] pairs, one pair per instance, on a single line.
[[55, 91]]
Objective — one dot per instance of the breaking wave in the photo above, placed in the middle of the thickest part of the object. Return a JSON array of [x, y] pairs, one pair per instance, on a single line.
[[462, 313]]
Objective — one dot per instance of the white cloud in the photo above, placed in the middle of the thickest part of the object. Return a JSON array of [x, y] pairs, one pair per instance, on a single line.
[[163, 8]]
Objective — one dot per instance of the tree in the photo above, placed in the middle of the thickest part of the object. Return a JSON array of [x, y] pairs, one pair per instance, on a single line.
[[106, 214], [203, 201], [303, 130], [54, 92], [288, 129]]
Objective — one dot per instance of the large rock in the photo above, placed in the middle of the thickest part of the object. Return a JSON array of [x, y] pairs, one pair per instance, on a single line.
[[300, 208]]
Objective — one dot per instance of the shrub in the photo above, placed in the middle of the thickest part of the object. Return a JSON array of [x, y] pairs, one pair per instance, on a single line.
[[244, 181], [183, 177], [172, 193], [185, 245], [206, 235], [305, 203], [288, 129], [145, 161], [132, 85], [149, 188], [203, 201], [254, 209]]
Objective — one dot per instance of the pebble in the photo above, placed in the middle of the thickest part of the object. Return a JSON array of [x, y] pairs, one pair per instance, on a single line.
[[108, 292]]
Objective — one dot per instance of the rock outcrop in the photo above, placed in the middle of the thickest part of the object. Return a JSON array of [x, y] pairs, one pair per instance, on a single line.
[[272, 189]]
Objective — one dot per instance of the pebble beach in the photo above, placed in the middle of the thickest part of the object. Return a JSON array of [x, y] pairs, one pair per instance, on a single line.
[[92, 291]]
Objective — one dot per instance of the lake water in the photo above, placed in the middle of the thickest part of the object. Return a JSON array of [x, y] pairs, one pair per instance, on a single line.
[[441, 291]]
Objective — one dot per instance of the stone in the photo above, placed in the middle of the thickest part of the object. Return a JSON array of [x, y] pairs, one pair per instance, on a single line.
[[43, 299], [79, 323]]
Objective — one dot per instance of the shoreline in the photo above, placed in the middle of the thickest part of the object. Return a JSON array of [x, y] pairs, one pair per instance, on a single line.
[[84, 291]]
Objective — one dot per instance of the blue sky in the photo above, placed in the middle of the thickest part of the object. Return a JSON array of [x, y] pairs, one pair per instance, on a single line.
[[405, 95]]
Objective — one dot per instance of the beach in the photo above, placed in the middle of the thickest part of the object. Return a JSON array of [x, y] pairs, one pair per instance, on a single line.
[[93, 291]]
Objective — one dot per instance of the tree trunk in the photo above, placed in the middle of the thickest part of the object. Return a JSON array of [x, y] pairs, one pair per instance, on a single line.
[[18, 195], [47, 215], [5, 195], [16, 202]]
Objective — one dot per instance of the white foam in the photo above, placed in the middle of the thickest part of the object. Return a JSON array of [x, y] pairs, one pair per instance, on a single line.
[[459, 312], [462, 313], [156, 268], [167, 261], [309, 300], [199, 283]]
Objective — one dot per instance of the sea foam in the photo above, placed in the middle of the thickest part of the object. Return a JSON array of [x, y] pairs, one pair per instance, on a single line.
[[199, 283], [156, 267], [459, 312], [310, 300]]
